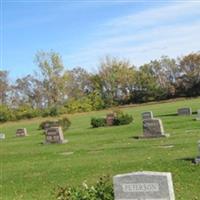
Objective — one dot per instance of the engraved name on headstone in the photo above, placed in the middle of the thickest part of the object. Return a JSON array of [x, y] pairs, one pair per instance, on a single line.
[[21, 132], [153, 128], [147, 115], [144, 186], [184, 111], [197, 160], [54, 135]]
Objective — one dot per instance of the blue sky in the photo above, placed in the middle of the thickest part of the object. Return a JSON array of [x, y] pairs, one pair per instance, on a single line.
[[83, 32]]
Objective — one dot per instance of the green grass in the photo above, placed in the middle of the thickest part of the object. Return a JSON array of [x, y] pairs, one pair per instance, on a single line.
[[31, 170]]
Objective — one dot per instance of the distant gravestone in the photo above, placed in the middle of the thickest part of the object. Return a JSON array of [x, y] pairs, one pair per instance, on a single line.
[[153, 128], [147, 115], [54, 135], [144, 186], [2, 136], [197, 160], [198, 115], [110, 119], [184, 111], [21, 132]]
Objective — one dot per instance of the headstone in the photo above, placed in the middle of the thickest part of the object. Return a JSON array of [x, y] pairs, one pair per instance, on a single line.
[[21, 132], [147, 115], [2, 136], [198, 115], [153, 128], [110, 119], [197, 160], [144, 186], [54, 135], [184, 111]]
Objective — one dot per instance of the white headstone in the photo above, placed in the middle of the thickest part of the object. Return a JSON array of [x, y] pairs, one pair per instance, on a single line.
[[2, 136], [144, 186], [198, 115], [197, 160]]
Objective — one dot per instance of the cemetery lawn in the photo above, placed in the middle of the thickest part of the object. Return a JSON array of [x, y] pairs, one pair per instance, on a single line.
[[31, 170]]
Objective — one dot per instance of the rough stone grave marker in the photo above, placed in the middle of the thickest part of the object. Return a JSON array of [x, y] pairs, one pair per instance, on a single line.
[[184, 111], [147, 115], [2, 136], [198, 115], [144, 186], [54, 135], [197, 160], [110, 119], [153, 128], [21, 132]]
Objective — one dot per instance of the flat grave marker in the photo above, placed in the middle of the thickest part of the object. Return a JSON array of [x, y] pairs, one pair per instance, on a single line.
[[21, 132], [184, 111], [144, 186]]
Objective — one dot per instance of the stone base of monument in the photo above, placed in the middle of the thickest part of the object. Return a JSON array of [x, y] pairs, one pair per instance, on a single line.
[[152, 136], [197, 160], [57, 142], [197, 119]]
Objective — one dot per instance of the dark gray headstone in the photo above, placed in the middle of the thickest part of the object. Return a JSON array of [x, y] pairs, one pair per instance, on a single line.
[[144, 186], [184, 111], [2, 136], [21, 132], [197, 160], [54, 135], [153, 128], [147, 115], [110, 119]]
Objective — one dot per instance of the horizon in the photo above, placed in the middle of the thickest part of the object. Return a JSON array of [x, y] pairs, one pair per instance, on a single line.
[[139, 32]]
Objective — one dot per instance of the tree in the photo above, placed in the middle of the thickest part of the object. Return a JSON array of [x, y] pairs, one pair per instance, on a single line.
[[4, 87], [53, 77]]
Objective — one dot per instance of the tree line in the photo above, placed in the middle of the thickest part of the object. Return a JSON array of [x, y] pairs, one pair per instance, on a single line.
[[53, 89]]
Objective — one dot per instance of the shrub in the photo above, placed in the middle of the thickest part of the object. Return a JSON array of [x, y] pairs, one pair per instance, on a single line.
[[6, 114], [102, 190], [64, 123], [123, 119], [98, 122]]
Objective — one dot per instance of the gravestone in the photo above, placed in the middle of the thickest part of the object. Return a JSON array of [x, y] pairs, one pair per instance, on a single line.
[[197, 160], [153, 128], [110, 119], [21, 132], [2, 136], [54, 135], [198, 115], [144, 186], [147, 115], [184, 111]]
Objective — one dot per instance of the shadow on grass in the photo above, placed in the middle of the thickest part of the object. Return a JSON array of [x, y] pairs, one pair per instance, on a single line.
[[173, 114], [188, 159]]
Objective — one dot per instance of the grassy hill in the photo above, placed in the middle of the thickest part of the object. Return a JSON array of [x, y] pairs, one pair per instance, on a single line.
[[31, 170]]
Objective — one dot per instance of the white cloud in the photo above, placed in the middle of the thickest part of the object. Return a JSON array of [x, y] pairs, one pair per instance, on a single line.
[[168, 30]]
